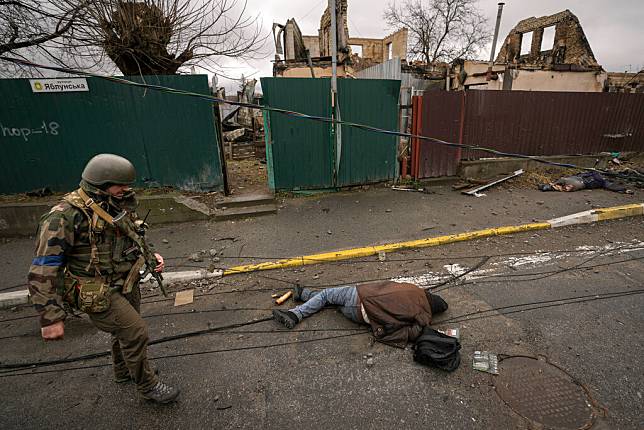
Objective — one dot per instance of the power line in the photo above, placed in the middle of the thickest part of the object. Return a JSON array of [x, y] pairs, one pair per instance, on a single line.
[[295, 114], [529, 306]]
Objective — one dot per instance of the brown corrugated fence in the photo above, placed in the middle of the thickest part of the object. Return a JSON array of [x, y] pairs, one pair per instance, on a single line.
[[527, 122]]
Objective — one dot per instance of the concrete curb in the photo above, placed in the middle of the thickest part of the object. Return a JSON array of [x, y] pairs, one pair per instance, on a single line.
[[21, 297], [21, 219], [14, 298], [578, 218], [595, 215]]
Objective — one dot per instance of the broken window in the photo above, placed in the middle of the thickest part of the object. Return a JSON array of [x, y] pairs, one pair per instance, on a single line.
[[548, 39], [356, 49], [526, 43], [390, 51]]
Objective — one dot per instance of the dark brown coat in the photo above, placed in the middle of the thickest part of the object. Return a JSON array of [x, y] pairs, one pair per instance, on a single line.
[[397, 311]]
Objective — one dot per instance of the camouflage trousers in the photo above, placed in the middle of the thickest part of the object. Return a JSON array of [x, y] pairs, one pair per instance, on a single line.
[[129, 338]]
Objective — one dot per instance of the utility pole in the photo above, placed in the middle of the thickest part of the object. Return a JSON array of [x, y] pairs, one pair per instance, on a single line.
[[334, 51], [335, 109], [496, 35]]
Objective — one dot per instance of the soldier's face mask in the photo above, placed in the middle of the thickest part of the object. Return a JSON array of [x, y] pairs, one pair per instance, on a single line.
[[119, 191]]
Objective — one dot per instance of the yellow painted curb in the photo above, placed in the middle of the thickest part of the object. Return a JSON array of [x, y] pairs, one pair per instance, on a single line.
[[589, 216], [373, 250], [619, 212]]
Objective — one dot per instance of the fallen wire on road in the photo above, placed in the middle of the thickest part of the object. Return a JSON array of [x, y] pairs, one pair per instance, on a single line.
[[530, 306], [18, 369], [497, 277]]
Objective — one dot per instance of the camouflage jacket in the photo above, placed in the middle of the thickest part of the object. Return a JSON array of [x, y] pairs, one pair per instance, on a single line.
[[64, 246]]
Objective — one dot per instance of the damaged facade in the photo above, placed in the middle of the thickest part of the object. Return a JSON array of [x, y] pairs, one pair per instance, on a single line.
[[310, 56], [549, 53]]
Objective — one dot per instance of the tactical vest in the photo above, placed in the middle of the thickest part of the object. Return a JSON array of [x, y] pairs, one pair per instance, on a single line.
[[108, 253]]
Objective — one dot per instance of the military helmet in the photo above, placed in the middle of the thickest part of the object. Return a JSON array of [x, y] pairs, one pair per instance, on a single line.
[[109, 169]]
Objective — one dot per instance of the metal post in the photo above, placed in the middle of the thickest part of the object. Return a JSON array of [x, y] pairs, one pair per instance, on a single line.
[[496, 35], [335, 109]]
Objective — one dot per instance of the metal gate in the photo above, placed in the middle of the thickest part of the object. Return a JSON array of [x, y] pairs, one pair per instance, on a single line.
[[301, 153]]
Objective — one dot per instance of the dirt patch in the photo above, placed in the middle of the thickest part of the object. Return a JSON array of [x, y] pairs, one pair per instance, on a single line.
[[531, 179], [247, 176]]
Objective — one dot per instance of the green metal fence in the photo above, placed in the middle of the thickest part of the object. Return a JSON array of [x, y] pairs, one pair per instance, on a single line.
[[46, 138], [367, 157], [302, 153]]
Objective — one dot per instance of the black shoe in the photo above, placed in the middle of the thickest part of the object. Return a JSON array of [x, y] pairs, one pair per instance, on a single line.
[[161, 393], [297, 293], [287, 318]]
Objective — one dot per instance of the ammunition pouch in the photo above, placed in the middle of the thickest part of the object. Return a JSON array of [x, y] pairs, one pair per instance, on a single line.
[[90, 295]]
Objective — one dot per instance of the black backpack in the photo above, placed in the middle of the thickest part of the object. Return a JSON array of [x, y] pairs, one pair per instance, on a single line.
[[436, 349]]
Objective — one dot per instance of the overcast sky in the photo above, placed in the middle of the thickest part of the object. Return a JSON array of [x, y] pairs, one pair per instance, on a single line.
[[613, 28]]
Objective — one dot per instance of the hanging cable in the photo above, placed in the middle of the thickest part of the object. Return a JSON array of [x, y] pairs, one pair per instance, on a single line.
[[293, 113]]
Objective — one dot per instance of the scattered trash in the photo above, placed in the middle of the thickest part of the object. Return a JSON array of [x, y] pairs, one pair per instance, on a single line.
[[165, 241], [184, 297], [370, 362], [475, 191], [213, 252], [274, 295], [382, 256], [221, 408], [428, 228], [486, 361], [453, 332], [329, 232], [418, 190], [283, 298]]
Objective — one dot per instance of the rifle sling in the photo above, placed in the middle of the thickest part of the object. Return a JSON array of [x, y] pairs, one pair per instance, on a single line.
[[89, 202]]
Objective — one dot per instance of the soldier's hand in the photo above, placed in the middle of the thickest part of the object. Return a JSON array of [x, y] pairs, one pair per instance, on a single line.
[[56, 331], [160, 263]]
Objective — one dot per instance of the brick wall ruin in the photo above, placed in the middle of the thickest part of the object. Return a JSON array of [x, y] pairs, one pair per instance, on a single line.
[[570, 44]]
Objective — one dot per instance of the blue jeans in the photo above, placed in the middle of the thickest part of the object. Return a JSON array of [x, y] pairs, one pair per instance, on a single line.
[[346, 297]]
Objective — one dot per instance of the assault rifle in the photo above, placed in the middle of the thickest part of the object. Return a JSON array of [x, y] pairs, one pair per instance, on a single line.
[[137, 233]]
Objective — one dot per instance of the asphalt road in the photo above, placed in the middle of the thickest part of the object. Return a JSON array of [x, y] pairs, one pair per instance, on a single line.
[[261, 376]]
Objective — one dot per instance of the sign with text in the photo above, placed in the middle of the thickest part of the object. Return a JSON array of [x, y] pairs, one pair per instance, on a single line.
[[58, 85]]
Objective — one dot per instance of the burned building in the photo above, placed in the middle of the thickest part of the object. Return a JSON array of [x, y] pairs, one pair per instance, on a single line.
[[548, 53], [301, 55], [555, 41]]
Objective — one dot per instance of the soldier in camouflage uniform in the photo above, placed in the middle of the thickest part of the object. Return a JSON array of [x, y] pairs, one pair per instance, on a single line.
[[83, 259]]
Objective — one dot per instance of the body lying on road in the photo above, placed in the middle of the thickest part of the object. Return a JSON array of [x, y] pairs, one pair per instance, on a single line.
[[396, 312]]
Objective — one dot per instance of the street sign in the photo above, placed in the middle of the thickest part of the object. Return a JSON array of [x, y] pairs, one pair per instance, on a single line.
[[58, 85]]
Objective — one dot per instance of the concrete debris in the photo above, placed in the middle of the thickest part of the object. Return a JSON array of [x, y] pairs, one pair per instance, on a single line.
[[476, 191], [231, 136], [196, 257]]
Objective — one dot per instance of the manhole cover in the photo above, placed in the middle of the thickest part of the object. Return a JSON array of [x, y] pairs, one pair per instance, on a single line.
[[543, 393]]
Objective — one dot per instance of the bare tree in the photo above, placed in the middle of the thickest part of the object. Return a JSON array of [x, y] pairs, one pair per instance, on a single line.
[[440, 30], [32, 28], [160, 36]]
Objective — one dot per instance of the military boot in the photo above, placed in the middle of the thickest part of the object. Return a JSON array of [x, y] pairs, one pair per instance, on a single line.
[[162, 393], [287, 318]]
